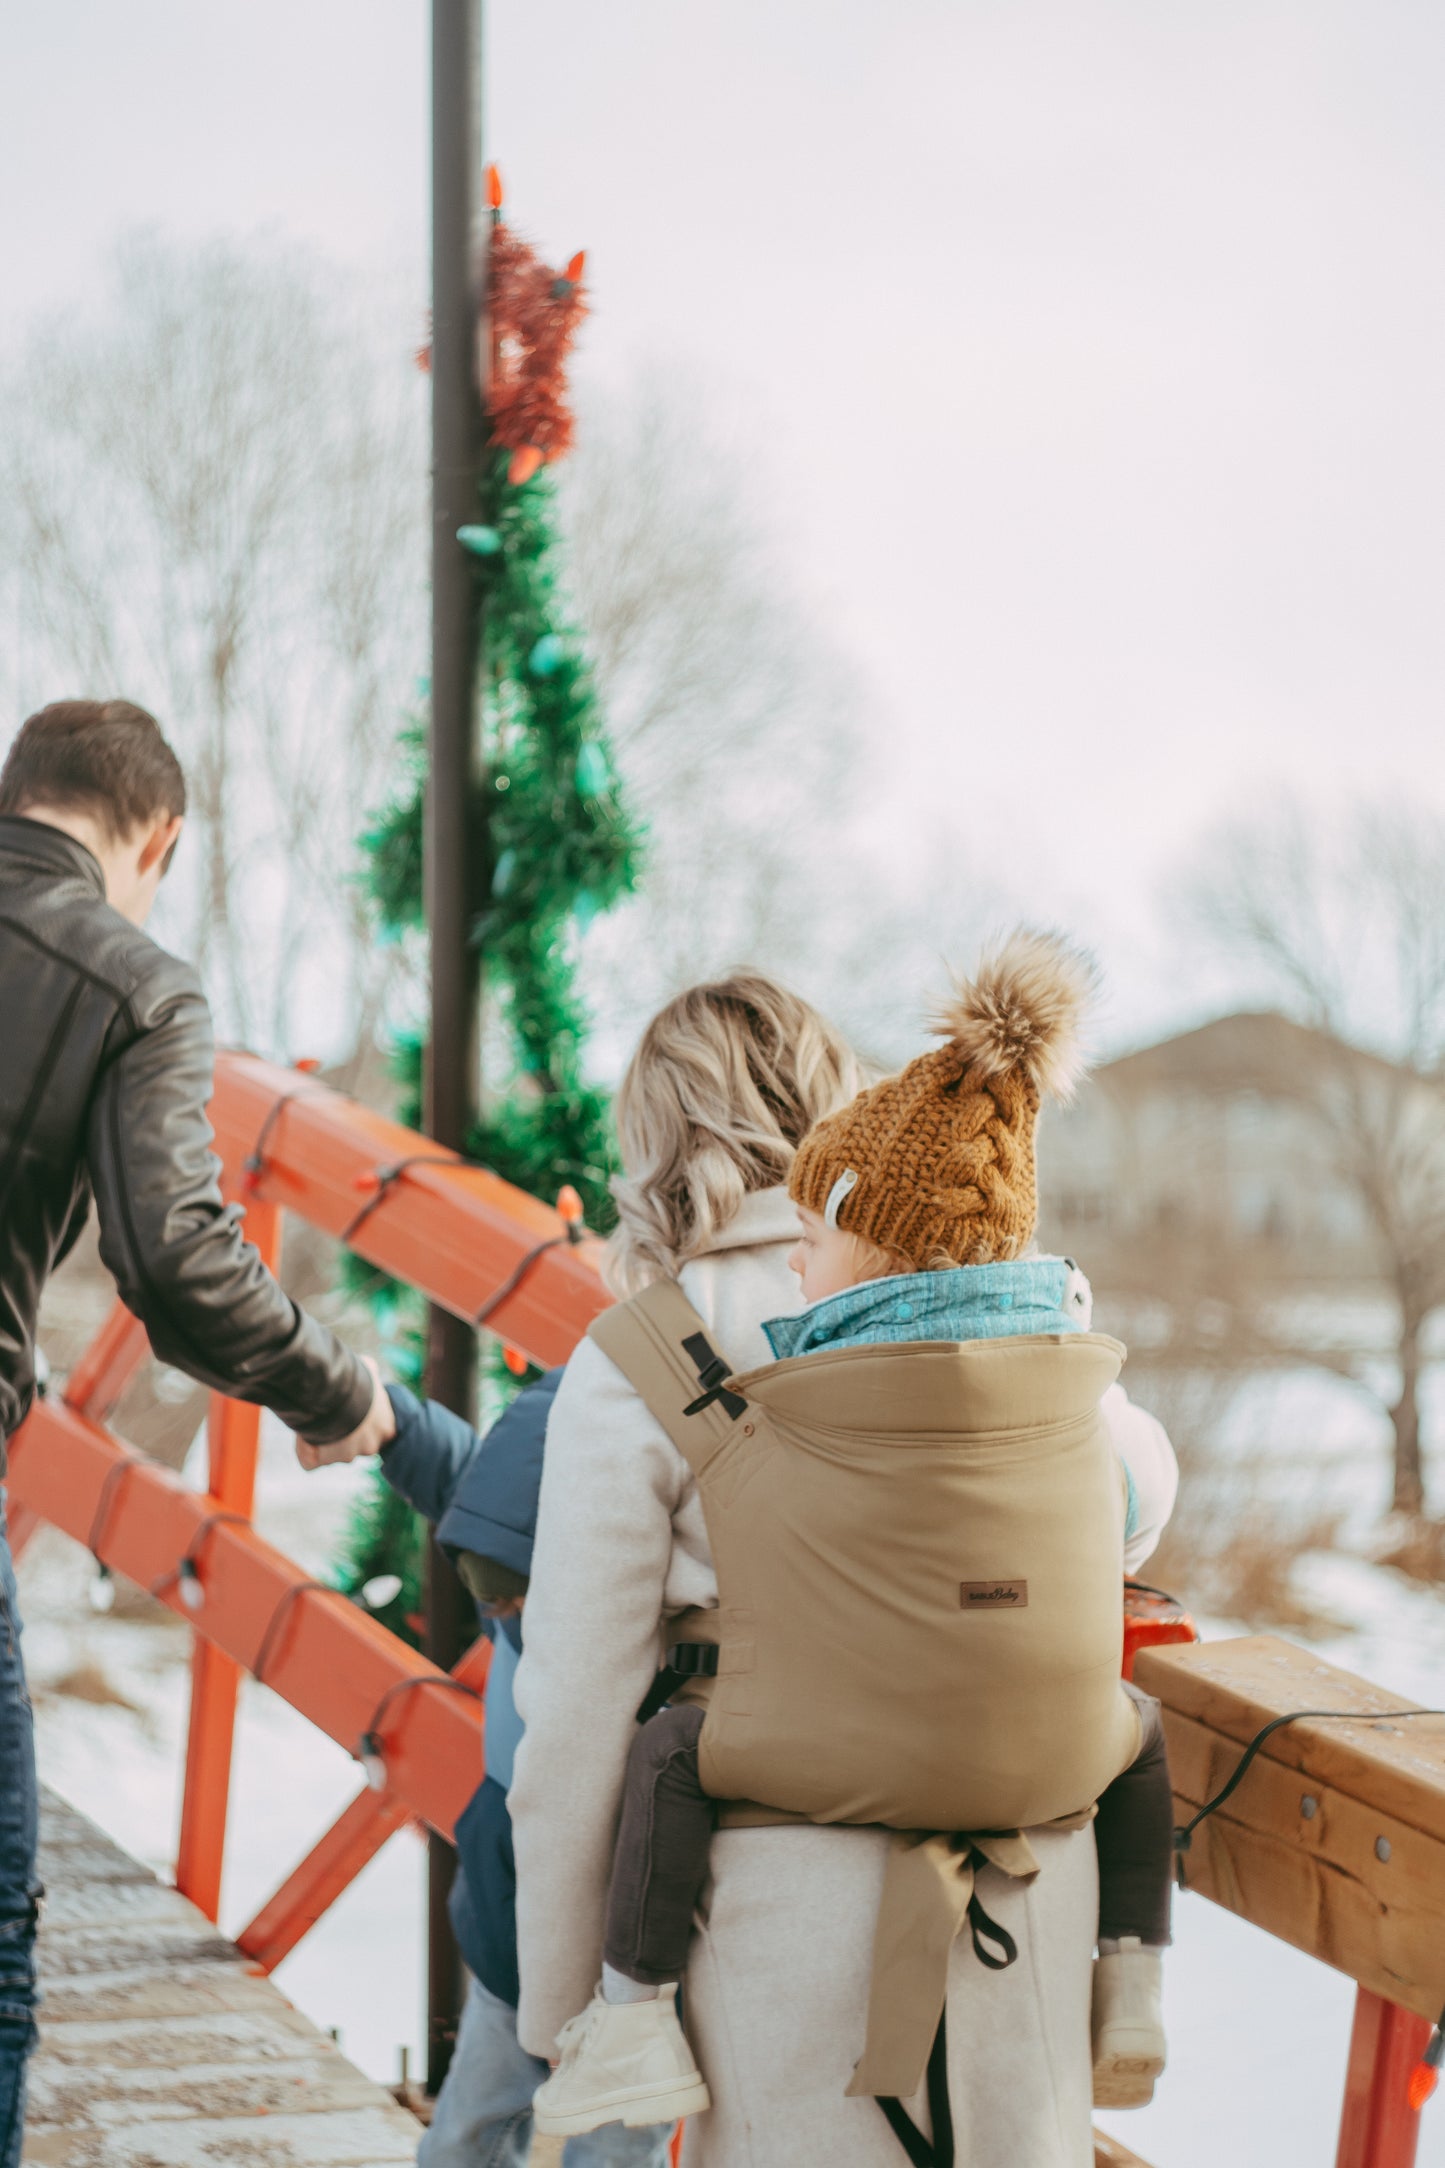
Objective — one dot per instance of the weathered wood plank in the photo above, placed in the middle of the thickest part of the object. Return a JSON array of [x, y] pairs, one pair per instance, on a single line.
[[160, 2047], [1335, 1839], [1235, 1687]]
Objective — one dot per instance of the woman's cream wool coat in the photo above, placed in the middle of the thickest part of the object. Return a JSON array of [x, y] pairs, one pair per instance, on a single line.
[[776, 1991]]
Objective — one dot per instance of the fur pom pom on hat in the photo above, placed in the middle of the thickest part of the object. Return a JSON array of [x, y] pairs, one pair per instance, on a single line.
[[938, 1162]]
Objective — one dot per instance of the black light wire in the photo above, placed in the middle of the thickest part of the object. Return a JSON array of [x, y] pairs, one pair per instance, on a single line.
[[115, 1476], [193, 1549], [253, 1166], [278, 1618], [574, 1232], [371, 1743], [387, 1176], [1183, 1837]]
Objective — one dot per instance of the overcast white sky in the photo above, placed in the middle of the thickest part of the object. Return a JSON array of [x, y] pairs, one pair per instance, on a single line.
[[1093, 352]]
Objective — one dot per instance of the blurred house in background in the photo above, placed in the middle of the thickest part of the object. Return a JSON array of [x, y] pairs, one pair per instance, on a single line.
[[1218, 1143], [1258, 1196]]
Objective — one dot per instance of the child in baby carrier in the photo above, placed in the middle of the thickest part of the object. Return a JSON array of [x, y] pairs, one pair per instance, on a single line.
[[917, 1207]]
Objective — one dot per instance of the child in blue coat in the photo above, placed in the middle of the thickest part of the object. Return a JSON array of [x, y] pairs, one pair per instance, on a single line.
[[482, 1494]]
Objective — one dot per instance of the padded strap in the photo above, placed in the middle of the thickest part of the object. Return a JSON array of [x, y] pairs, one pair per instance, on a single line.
[[660, 1345]]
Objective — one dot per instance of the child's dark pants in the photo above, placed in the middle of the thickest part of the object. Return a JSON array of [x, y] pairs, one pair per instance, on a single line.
[[668, 1821], [663, 1841], [1134, 1831]]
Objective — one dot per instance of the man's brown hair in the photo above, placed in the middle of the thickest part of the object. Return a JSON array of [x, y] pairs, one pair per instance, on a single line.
[[106, 758]]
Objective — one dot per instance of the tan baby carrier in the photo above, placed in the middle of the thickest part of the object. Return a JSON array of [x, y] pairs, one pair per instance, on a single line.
[[919, 1553]]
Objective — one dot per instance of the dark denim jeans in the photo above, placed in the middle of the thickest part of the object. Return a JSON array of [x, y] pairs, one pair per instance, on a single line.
[[19, 1889]]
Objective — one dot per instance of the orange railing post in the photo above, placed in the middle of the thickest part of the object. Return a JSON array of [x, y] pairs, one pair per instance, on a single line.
[[1379, 2127], [233, 1445]]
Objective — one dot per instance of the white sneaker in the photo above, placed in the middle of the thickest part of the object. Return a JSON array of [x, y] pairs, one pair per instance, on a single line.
[[1128, 2025], [626, 2062]]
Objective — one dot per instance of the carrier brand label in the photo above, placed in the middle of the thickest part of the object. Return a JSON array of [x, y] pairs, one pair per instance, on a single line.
[[993, 1595]]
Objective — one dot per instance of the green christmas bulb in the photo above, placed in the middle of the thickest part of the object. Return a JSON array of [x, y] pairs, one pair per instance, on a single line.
[[502, 876], [481, 541], [594, 771], [546, 655]]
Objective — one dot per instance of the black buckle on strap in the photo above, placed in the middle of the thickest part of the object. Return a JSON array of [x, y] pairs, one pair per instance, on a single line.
[[712, 1372], [693, 1659]]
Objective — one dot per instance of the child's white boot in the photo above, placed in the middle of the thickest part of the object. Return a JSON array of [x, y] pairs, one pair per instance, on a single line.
[[622, 2062], [1128, 2023]]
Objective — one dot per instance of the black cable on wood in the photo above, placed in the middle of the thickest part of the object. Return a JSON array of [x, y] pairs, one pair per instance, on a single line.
[[1184, 1836], [386, 1176]]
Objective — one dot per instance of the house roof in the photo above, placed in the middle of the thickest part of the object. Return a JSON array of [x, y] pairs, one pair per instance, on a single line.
[[1252, 1050]]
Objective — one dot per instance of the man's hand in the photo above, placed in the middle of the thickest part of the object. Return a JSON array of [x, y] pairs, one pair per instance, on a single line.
[[376, 1429]]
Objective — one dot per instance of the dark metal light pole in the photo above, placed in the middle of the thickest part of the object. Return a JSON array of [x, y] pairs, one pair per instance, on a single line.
[[458, 429]]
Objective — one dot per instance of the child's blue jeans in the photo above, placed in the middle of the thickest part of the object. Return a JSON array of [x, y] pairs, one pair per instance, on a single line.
[[483, 2113], [19, 1889]]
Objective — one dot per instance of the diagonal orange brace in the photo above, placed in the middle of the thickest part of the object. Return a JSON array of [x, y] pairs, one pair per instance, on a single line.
[[20, 1525], [331, 1866], [337, 1858], [108, 1364]]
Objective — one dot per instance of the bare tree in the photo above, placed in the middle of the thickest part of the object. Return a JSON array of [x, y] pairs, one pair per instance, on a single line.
[[734, 716], [217, 488], [1346, 924]]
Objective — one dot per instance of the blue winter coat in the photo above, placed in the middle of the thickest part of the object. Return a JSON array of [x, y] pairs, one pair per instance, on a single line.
[[482, 1494]]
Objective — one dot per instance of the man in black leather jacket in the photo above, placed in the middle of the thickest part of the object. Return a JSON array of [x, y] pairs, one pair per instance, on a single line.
[[105, 1075]]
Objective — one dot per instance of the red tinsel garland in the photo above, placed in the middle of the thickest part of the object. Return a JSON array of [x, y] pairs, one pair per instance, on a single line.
[[535, 316]]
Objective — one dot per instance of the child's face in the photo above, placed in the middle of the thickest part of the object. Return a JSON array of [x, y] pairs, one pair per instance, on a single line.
[[828, 1259]]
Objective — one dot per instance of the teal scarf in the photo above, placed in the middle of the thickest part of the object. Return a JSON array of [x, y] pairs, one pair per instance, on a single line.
[[972, 1302]]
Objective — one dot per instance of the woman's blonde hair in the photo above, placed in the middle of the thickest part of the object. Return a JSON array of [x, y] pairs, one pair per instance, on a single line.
[[726, 1082]]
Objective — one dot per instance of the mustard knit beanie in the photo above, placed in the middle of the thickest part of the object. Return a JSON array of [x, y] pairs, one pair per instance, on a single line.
[[939, 1160]]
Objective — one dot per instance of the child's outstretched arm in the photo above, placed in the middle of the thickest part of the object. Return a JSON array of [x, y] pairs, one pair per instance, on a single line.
[[430, 1453]]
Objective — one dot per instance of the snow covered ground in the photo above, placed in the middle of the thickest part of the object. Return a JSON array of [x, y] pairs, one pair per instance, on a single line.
[[1258, 2033]]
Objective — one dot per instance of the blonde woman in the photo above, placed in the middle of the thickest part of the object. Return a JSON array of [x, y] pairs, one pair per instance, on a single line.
[[725, 1084]]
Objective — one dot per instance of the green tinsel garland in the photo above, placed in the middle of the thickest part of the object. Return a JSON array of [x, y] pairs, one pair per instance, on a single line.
[[554, 846]]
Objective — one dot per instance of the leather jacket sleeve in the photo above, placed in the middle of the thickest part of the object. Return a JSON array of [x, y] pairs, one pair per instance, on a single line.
[[178, 1255]]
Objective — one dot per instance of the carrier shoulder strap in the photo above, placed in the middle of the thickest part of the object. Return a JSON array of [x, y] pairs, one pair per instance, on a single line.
[[660, 1344]]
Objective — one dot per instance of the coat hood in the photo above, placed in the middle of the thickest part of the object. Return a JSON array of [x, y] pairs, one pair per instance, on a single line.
[[493, 1510]]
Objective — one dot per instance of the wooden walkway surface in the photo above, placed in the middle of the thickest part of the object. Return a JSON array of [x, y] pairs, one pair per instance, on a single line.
[[160, 2048]]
